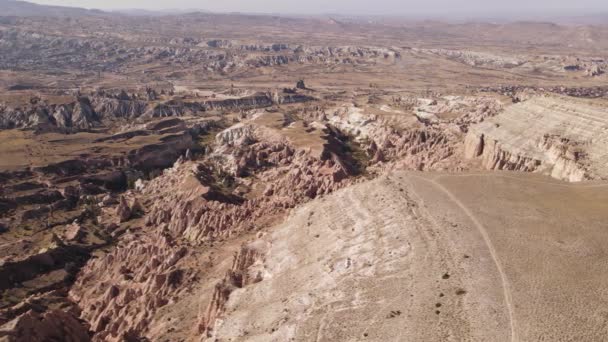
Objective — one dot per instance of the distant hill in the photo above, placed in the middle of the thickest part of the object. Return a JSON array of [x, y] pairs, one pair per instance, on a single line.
[[13, 8], [158, 13]]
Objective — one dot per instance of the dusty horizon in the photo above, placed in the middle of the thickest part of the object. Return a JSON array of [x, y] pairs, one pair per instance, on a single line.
[[444, 8]]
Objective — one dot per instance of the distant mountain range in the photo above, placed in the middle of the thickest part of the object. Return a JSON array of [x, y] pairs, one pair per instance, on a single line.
[[16, 8], [13, 8], [144, 12]]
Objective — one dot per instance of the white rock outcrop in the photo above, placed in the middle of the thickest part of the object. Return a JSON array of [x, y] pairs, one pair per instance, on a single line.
[[565, 138]]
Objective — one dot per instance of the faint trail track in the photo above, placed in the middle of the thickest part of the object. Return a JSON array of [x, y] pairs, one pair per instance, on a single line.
[[444, 256], [493, 253]]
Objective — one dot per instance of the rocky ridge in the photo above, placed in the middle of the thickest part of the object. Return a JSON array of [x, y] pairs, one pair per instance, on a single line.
[[81, 113], [192, 204], [474, 58]]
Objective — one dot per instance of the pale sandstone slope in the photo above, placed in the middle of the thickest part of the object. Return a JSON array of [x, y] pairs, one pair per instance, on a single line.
[[412, 257], [368, 263], [566, 138]]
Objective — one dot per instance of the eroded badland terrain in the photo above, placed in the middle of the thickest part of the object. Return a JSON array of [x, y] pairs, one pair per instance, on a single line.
[[215, 177]]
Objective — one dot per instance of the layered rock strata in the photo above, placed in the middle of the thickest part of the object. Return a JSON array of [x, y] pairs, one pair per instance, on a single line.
[[561, 137]]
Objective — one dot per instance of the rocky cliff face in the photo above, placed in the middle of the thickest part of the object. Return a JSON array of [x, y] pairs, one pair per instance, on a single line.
[[561, 159], [111, 108], [81, 113], [474, 58], [423, 144], [550, 135], [240, 275], [494, 157], [77, 115]]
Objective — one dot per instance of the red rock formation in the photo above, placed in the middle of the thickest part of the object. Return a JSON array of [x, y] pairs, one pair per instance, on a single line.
[[127, 208], [192, 203], [53, 325], [74, 232], [118, 293], [238, 276]]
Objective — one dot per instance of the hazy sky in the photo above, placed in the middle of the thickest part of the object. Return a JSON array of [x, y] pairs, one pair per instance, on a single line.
[[400, 7]]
